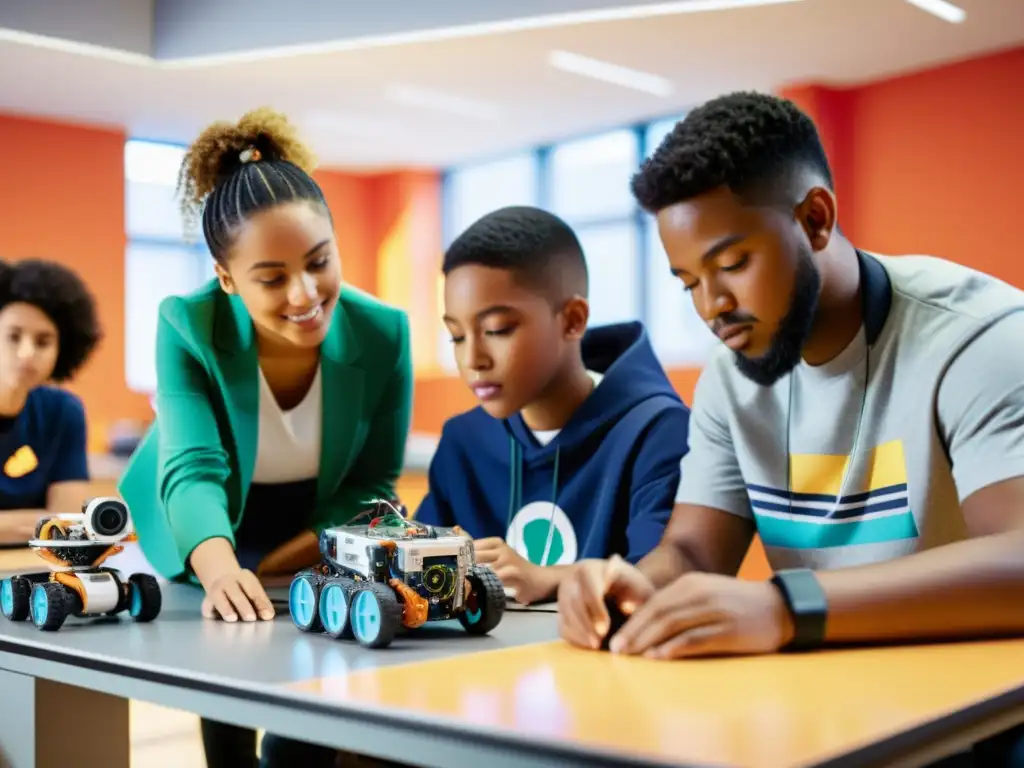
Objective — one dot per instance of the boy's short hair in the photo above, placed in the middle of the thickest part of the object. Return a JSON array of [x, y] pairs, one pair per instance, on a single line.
[[536, 245]]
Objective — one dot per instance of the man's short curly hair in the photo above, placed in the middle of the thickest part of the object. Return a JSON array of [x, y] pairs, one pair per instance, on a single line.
[[62, 296], [755, 144]]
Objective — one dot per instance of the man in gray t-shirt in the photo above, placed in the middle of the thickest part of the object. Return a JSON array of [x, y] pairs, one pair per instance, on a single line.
[[865, 416]]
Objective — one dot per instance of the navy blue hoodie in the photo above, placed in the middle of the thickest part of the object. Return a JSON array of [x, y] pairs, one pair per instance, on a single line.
[[604, 485]]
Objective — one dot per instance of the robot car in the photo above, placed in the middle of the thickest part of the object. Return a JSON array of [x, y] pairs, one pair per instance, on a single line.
[[75, 546], [378, 577]]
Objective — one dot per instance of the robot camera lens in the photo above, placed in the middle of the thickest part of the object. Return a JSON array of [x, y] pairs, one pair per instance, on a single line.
[[109, 519]]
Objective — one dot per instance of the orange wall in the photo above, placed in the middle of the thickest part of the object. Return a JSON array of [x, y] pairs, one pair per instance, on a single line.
[[62, 198]]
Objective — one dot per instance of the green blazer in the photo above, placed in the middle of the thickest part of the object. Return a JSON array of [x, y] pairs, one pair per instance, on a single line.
[[187, 481]]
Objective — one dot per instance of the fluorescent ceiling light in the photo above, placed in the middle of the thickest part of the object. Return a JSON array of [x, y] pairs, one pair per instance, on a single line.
[[623, 13], [610, 73], [941, 8], [439, 101]]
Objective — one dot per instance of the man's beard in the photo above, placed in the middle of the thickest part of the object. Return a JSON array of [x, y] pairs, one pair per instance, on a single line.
[[789, 339]]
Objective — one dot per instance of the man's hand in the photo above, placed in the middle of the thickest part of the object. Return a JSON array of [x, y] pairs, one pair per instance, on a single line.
[[583, 619], [701, 614], [530, 582]]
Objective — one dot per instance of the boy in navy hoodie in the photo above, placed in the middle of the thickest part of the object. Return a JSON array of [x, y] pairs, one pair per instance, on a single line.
[[574, 450]]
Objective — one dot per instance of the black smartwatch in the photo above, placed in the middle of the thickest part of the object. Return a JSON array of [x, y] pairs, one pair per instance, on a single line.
[[806, 602]]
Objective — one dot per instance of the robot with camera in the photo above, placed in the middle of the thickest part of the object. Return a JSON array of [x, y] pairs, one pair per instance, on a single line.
[[75, 546]]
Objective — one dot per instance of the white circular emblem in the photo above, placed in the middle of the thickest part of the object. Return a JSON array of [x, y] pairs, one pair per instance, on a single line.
[[542, 533]]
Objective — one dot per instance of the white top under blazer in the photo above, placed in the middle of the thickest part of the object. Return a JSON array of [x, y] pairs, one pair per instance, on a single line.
[[289, 441]]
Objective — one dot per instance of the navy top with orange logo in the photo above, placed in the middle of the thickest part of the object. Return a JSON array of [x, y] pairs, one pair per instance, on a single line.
[[42, 445]]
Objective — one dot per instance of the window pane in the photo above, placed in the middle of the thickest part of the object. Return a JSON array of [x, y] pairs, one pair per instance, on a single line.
[[150, 162], [151, 274], [677, 332], [590, 177], [612, 265], [152, 209], [658, 131], [476, 190]]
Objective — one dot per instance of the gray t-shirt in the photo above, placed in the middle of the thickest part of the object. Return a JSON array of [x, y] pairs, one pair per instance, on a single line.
[[943, 416]]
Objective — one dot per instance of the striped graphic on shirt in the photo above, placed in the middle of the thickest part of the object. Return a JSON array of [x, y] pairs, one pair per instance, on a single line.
[[813, 516]]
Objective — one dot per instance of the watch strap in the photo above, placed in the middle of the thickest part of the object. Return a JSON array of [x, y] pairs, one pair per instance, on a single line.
[[807, 604]]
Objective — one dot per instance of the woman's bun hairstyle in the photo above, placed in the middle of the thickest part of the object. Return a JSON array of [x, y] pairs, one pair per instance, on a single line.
[[263, 153]]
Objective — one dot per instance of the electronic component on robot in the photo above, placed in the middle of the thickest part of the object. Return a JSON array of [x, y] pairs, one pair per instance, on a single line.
[[389, 573], [75, 546]]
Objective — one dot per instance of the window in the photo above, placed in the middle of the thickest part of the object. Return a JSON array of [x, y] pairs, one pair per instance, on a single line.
[[678, 334], [473, 191], [152, 273], [161, 258], [589, 177], [613, 268], [476, 190], [655, 132]]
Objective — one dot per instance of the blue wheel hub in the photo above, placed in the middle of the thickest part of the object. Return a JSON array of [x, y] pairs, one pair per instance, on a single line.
[[135, 600], [302, 603], [40, 604], [366, 618], [334, 609], [6, 597]]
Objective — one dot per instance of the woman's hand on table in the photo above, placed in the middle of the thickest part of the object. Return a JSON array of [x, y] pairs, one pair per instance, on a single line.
[[232, 592], [237, 594]]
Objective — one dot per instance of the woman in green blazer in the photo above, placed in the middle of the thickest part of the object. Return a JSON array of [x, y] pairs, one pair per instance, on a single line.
[[283, 398]]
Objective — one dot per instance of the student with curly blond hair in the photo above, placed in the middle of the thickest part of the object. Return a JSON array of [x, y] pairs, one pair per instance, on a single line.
[[283, 395]]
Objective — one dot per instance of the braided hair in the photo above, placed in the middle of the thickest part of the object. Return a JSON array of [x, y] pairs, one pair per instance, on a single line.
[[232, 171]]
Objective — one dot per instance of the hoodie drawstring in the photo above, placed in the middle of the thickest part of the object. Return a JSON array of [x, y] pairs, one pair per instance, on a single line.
[[515, 499]]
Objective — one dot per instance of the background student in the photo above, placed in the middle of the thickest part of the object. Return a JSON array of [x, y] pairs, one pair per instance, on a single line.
[[48, 330], [575, 447], [283, 396]]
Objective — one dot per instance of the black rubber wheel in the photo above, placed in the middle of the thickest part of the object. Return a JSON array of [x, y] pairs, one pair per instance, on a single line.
[[50, 605], [375, 616], [14, 598], [485, 606], [144, 597]]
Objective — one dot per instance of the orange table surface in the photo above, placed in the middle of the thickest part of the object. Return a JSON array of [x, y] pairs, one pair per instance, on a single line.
[[768, 711]]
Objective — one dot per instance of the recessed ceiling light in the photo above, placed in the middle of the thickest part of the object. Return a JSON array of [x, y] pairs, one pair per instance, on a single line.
[[941, 8], [607, 72], [426, 98]]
